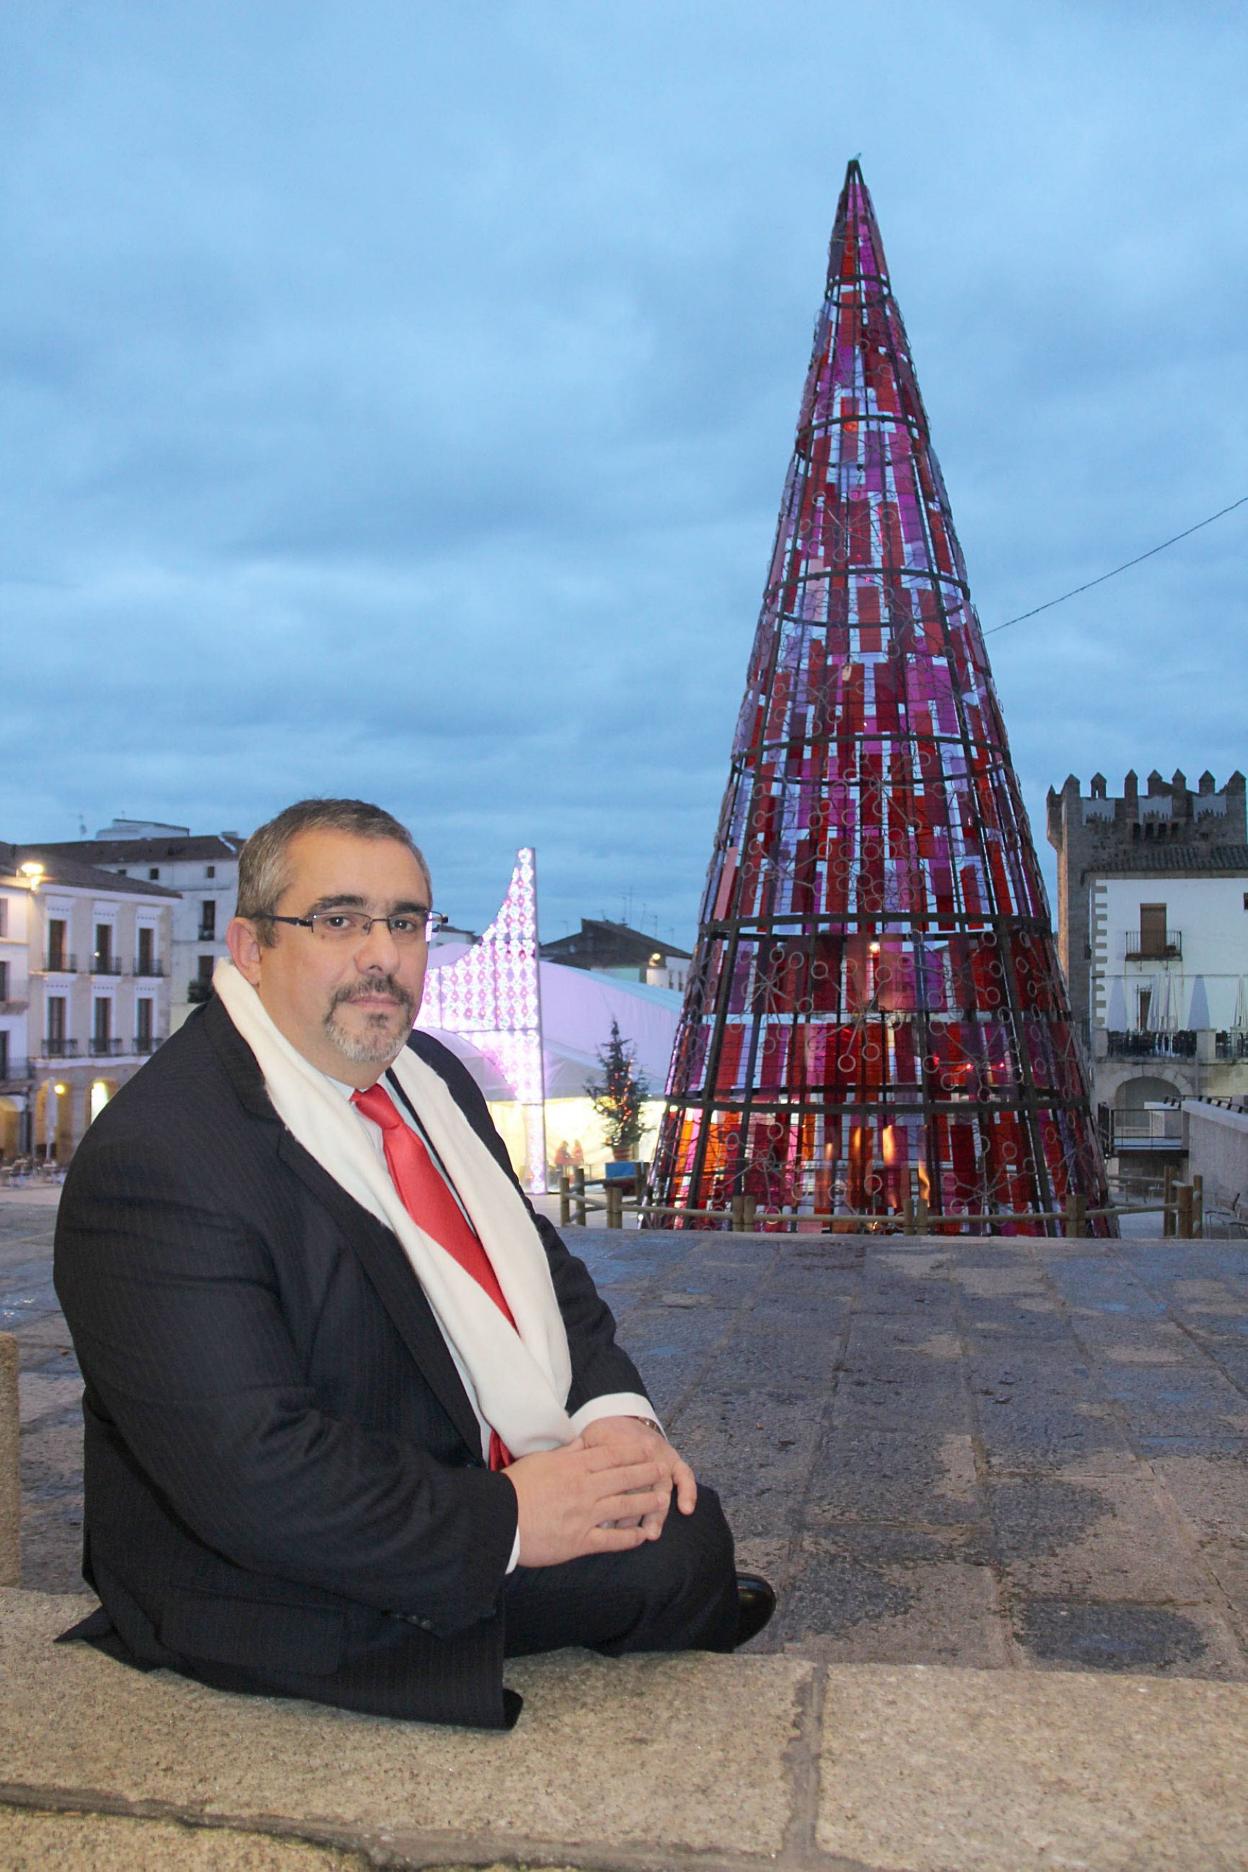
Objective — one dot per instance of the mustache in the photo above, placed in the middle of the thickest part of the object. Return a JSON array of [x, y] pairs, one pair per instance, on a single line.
[[377, 984]]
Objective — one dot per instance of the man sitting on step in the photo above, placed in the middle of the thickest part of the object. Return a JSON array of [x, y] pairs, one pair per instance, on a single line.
[[357, 1426]]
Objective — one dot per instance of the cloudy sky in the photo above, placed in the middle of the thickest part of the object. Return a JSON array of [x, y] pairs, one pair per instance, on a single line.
[[397, 396]]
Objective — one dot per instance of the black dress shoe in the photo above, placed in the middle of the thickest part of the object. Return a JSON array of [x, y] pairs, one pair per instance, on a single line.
[[756, 1601]]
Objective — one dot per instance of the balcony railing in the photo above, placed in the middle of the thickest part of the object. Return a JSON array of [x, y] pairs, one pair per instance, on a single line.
[[13, 1073], [106, 965], [60, 1049], [60, 962], [102, 1046], [1145, 1131], [1145, 946], [149, 967], [1232, 1045], [147, 1043], [1181, 1044]]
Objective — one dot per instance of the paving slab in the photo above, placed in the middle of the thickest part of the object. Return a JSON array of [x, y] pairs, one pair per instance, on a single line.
[[1056, 1632], [44, 1392], [725, 1763], [10, 1464], [975, 1771], [1090, 1535], [923, 1476], [846, 1605], [31, 1841], [636, 1753]]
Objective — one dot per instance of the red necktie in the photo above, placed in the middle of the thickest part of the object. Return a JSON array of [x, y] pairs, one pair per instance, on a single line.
[[427, 1199]]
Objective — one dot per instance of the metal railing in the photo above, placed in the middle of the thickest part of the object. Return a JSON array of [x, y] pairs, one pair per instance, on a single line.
[[14, 1072], [1136, 1130], [59, 962], [1151, 1043], [59, 1048], [103, 1046], [149, 967], [1142, 1138], [1232, 1045], [1167, 947], [106, 965], [147, 1043]]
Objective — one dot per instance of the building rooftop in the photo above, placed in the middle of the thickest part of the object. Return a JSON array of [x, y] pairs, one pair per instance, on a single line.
[[171, 846], [600, 943], [1151, 858], [61, 867]]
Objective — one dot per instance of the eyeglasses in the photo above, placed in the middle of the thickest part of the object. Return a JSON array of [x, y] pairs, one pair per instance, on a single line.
[[346, 926]]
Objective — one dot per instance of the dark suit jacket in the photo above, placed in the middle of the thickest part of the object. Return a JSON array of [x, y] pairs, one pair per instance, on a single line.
[[283, 1474]]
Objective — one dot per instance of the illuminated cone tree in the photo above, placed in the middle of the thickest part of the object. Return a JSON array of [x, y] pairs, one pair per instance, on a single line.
[[875, 1015]]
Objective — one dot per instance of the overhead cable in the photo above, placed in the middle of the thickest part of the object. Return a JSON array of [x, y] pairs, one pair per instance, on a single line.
[[1126, 567]]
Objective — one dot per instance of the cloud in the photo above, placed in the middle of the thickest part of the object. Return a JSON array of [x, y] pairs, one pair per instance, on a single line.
[[399, 403]]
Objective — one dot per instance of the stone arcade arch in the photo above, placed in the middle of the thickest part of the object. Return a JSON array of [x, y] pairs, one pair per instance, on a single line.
[[10, 1127]]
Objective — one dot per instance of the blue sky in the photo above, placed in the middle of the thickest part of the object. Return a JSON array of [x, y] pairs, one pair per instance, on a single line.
[[398, 397]]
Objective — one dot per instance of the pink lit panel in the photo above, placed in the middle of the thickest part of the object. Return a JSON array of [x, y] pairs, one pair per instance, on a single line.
[[492, 996]]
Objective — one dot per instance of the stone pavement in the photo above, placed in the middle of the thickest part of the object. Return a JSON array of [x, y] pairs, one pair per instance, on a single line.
[[1000, 1485]]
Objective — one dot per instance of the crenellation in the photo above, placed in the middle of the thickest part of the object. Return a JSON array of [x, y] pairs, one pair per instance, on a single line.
[[1090, 830]]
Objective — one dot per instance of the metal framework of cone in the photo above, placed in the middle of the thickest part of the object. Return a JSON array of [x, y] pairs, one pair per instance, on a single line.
[[875, 1023]]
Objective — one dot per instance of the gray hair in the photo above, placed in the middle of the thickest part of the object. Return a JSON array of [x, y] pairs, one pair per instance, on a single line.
[[263, 868]]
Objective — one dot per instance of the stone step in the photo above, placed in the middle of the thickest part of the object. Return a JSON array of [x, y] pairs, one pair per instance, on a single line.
[[645, 1763]]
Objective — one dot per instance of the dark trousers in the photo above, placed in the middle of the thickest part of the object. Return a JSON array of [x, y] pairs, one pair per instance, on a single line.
[[678, 1593]]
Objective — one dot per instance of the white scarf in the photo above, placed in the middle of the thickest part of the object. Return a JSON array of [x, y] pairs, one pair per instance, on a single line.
[[519, 1379]]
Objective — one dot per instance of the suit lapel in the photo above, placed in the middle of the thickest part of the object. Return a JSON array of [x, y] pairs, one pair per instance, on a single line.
[[394, 1281], [387, 1268]]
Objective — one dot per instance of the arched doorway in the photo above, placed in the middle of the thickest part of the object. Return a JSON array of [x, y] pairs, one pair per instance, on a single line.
[[1147, 1089], [1138, 1123], [54, 1121], [10, 1128]]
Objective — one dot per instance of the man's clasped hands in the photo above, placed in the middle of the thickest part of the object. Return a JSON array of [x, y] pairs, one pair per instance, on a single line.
[[607, 1490]]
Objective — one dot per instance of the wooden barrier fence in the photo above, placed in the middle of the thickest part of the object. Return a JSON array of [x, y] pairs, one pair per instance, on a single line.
[[1181, 1205]]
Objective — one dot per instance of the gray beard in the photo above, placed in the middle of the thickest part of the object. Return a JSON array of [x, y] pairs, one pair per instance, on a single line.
[[377, 1045], [375, 1049]]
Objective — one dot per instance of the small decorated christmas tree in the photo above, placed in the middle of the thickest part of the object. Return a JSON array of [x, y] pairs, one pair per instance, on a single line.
[[619, 1095]]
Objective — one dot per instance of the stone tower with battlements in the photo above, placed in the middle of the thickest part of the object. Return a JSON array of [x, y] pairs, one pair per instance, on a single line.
[[1096, 831]]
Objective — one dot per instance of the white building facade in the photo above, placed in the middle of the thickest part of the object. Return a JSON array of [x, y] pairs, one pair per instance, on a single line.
[[15, 1111], [1153, 935], [96, 953], [201, 867]]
